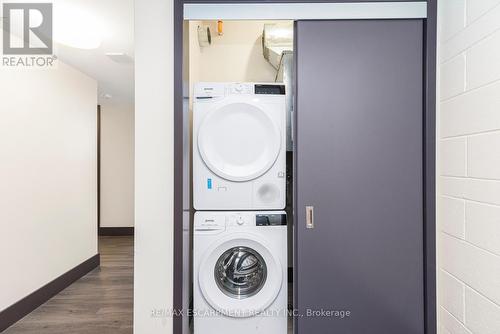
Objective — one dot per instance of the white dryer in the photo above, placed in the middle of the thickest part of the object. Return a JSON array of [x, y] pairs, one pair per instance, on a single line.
[[240, 272], [239, 146]]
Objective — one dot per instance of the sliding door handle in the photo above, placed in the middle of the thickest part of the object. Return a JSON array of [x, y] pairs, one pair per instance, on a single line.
[[309, 216]]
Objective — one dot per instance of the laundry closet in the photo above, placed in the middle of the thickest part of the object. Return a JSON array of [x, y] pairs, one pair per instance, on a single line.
[[304, 165], [240, 102]]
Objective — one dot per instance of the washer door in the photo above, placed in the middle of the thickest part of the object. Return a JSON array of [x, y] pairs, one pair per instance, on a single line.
[[239, 276], [239, 141]]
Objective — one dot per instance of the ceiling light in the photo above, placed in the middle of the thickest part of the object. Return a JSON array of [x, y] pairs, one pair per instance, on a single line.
[[77, 27], [106, 96], [119, 57]]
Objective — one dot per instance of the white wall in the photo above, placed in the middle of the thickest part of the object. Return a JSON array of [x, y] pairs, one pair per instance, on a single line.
[[117, 165], [469, 201], [234, 56], [48, 209], [153, 165], [469, 151]]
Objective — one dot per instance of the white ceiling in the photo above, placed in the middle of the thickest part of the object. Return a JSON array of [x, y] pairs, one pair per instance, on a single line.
[[116, 21]]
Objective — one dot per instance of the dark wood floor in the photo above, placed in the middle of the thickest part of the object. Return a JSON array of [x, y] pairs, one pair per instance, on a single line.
[[99, 303]]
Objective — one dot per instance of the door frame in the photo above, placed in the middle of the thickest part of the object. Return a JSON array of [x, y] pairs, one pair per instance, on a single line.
[[429, 154], [98, 139]]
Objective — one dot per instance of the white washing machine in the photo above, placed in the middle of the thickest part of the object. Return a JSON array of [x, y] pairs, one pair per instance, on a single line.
[[239, 146], [240, 273]]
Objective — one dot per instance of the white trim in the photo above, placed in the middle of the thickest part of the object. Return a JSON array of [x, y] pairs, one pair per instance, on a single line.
[[305, 11]]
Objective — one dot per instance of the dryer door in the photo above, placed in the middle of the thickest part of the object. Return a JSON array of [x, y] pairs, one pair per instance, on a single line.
[[239, 141], [240, 277]]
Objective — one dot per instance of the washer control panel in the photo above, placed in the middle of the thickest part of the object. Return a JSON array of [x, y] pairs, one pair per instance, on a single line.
[[214, 222], [240, 219], [270, 219], [210, 222]]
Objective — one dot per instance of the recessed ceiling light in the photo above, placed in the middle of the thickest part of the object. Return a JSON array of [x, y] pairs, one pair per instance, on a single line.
[[106, 96], [119, 57]]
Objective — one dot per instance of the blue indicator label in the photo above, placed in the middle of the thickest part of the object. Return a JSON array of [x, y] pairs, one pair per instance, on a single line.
[[209, 183]]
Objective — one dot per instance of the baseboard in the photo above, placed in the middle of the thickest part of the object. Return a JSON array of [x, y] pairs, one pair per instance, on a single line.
[[17, 311], [116, 231]]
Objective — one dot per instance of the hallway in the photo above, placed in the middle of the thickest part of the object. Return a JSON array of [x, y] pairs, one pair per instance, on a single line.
[[100, 302]]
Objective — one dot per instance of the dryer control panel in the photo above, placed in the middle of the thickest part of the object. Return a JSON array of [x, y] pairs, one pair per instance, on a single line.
[[240, 88], [211, 90], [270, 89]]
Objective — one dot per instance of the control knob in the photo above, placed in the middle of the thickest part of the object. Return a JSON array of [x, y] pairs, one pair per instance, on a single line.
[[240, 220]]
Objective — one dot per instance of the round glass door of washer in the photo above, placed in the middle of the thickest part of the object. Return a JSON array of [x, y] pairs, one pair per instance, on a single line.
[[239, 141], [239, 276], [240, 272]]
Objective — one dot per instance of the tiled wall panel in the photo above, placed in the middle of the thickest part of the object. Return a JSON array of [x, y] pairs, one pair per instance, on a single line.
[[469, 167]]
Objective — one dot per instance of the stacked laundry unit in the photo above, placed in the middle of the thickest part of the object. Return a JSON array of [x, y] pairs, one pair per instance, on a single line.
[[239, 192]]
